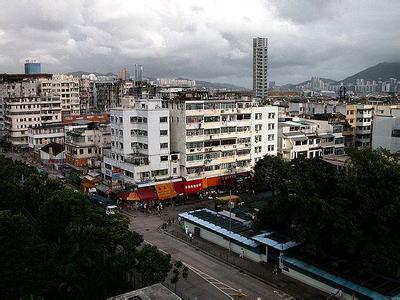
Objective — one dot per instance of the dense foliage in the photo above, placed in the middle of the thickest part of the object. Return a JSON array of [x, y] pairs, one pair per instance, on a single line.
[[54, 243], [352, 214]]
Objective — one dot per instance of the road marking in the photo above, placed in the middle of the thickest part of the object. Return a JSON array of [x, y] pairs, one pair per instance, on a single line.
[[222, 287]]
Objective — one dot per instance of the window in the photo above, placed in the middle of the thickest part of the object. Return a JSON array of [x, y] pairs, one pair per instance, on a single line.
[[258, 116], [271, 115], [163, 145], [90, 150], [164, 158], [271, 126], [159, 172], [271, 147], [163, 119], [129, 174], [163, 132], [271, 137], [258, 127], [257, 138], [174, 170], [80, 151], [257, 149]]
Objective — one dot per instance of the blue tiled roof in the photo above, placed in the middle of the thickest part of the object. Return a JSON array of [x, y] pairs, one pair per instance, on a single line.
[[265, 239]]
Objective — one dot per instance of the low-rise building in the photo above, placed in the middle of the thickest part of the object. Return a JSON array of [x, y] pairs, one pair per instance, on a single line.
[[309, 138], [85, 146], [42, 135]]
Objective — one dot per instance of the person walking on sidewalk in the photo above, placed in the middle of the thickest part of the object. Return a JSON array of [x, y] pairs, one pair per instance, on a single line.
[[241, 253], [190, 236]]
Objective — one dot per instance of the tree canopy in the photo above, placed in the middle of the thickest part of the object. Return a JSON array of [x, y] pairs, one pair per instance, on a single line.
[[353, 214], [55, 244]]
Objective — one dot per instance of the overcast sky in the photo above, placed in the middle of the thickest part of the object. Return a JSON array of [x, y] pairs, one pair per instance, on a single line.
[[201, 39]]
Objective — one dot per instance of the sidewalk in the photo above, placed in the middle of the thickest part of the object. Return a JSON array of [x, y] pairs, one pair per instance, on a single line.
[[261, 271]]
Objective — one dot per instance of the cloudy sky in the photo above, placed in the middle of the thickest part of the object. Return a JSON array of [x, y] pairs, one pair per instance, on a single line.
[[201, 39]]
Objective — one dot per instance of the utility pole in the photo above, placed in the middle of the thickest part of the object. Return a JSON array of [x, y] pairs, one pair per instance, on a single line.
[[230, 217]]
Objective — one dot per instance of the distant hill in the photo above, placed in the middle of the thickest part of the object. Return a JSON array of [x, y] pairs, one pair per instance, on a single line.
[[80, 73], [325, 80], [217, 85], [383, 71]]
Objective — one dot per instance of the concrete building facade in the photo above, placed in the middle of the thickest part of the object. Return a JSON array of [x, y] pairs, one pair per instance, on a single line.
[[221, 137], [140, 144], [309, 139], [67, 88], [260, 67]]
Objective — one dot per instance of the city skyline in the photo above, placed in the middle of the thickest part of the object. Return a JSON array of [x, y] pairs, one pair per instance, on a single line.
[[199, 40]]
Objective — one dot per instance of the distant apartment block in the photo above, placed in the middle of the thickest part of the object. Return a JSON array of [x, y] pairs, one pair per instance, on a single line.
[[67, 88], [169, 82]]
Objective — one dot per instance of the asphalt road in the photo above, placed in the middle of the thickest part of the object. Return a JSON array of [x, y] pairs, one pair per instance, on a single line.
[[229, 279]]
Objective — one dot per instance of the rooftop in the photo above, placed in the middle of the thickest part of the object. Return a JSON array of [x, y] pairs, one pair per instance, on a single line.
[[218, 223]]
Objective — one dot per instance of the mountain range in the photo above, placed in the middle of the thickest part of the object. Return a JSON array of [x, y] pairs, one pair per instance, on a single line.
[[382, 71]]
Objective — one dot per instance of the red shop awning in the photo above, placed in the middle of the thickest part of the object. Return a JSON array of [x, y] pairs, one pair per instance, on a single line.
[[147, 194], [193, 186], [179, 188]]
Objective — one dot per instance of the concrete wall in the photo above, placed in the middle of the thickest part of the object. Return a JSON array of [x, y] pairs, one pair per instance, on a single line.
[[219, 240], [314, 283]]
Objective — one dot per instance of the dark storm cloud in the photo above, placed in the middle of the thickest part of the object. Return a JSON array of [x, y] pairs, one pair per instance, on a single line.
[[201, 39]]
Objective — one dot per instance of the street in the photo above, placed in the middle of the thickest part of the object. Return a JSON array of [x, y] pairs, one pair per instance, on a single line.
[[229, 278]]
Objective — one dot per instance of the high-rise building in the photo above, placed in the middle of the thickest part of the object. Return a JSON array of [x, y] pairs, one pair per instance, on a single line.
[[260, 67], [122, 74], [32, 67], [138, 73]]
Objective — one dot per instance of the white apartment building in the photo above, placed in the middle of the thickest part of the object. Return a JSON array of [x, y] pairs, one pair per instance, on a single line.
[[217, 137], [260, 67], [140, 144], [67, 88], [21, 113], [386, 132], [309, 139]]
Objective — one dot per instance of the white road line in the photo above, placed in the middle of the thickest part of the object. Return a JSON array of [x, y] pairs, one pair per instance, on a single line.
[[211, 280], [215, 282]]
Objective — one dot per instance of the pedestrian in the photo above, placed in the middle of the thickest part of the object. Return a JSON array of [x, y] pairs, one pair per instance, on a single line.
[[186, 230], [275, 272], [169, 221], [190, 236], [173, 220], [179, 220], [241, 253]]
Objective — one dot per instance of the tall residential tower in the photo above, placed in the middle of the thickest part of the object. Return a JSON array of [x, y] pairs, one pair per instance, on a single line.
[[260, 67]]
